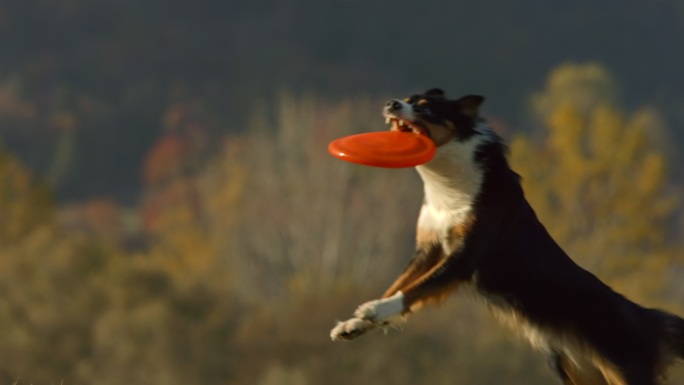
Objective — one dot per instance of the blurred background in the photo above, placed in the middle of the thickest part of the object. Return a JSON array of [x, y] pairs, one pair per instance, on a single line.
[[169, 213]]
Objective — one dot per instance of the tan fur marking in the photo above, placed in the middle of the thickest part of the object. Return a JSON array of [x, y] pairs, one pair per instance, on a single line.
[[609, 371], [458, 232], [462, 229], [434, 297], [439, 133], [404, 279], [586, 367], [594, 371], [425, 238], [407, 100], [422, 101], [414, 297], [409, 282], [413, 272], [582, 375]]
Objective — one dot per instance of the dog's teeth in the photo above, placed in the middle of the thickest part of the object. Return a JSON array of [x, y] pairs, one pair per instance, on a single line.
[[401, 122], [387, 120]]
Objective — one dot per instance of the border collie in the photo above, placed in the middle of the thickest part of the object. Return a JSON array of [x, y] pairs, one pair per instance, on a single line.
[[476, 229]]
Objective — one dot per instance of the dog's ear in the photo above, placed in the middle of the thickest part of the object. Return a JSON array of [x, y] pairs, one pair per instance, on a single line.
[[438, 92], [470, 105]]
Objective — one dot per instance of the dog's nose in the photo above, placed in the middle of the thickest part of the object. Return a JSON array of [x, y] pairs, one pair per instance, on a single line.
[[393, 105]]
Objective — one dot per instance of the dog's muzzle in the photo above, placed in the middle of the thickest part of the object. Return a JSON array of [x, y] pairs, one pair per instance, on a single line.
[[393, 106]]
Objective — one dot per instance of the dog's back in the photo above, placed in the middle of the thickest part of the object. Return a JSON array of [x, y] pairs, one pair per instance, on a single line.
[[593, 334]]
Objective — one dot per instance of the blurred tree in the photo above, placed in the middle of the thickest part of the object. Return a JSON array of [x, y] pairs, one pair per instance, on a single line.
[[45, 314], [582, 86], [24, 203], [599, 181], [181, 246], [320, 221]]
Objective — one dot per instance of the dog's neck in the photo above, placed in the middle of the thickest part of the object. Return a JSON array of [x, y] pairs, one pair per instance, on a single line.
[[452, 179]]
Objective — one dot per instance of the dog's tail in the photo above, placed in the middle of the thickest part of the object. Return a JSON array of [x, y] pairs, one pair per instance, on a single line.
[[674, 329]]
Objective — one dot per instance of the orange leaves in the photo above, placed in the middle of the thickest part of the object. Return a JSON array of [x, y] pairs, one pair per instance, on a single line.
[[165, 159]]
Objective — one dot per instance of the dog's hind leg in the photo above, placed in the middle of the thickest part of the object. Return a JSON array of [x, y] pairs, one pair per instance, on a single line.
[[556, 361], [578, 373], [637, 374]]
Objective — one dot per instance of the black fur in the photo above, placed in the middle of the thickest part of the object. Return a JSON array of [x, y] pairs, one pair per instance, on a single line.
[[512, 261], [526, 270], [435, 108]]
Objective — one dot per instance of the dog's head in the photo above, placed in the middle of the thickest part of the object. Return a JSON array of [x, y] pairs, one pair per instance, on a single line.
[[432, 114]]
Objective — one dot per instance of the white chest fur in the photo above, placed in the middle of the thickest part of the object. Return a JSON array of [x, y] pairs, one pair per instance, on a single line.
[[451, 180]]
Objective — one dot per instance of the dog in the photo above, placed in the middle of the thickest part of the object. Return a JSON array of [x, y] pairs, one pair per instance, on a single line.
[[476, 229]]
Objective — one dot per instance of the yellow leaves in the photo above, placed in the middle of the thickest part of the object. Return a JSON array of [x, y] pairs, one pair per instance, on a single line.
[[580, 85], [600, 183], [651, 176], [605, 132], [24, 204], [181, 247], [223, 185], [566, 126], [185, 256]]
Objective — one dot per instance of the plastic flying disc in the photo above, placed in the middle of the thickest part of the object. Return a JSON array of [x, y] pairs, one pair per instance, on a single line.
[[392, 149]]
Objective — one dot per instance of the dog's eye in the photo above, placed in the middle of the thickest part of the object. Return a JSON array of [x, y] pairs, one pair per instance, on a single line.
[[422, 109]]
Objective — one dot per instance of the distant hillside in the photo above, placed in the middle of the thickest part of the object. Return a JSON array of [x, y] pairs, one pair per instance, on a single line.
[[85, 86]]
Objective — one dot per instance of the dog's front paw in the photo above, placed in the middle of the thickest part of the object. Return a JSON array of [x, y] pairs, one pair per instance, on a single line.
[[350, 329], [381, 310]]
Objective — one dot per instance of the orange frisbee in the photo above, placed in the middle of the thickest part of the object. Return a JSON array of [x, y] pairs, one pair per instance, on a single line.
[[391, 149]]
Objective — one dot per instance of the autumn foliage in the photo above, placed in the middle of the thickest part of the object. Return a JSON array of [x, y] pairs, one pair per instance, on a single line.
[[232, 268], [599, 182]]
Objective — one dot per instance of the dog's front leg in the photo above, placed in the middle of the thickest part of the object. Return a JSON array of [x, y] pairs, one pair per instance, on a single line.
[[383, 312], [371, 315], [390, 309], [435, 284], [351, 328]]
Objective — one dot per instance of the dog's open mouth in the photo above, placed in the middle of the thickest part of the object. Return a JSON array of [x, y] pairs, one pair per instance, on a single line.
[[405, 126]]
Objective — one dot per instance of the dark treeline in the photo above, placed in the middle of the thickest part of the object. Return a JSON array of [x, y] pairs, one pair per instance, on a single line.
[[89, 85]]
